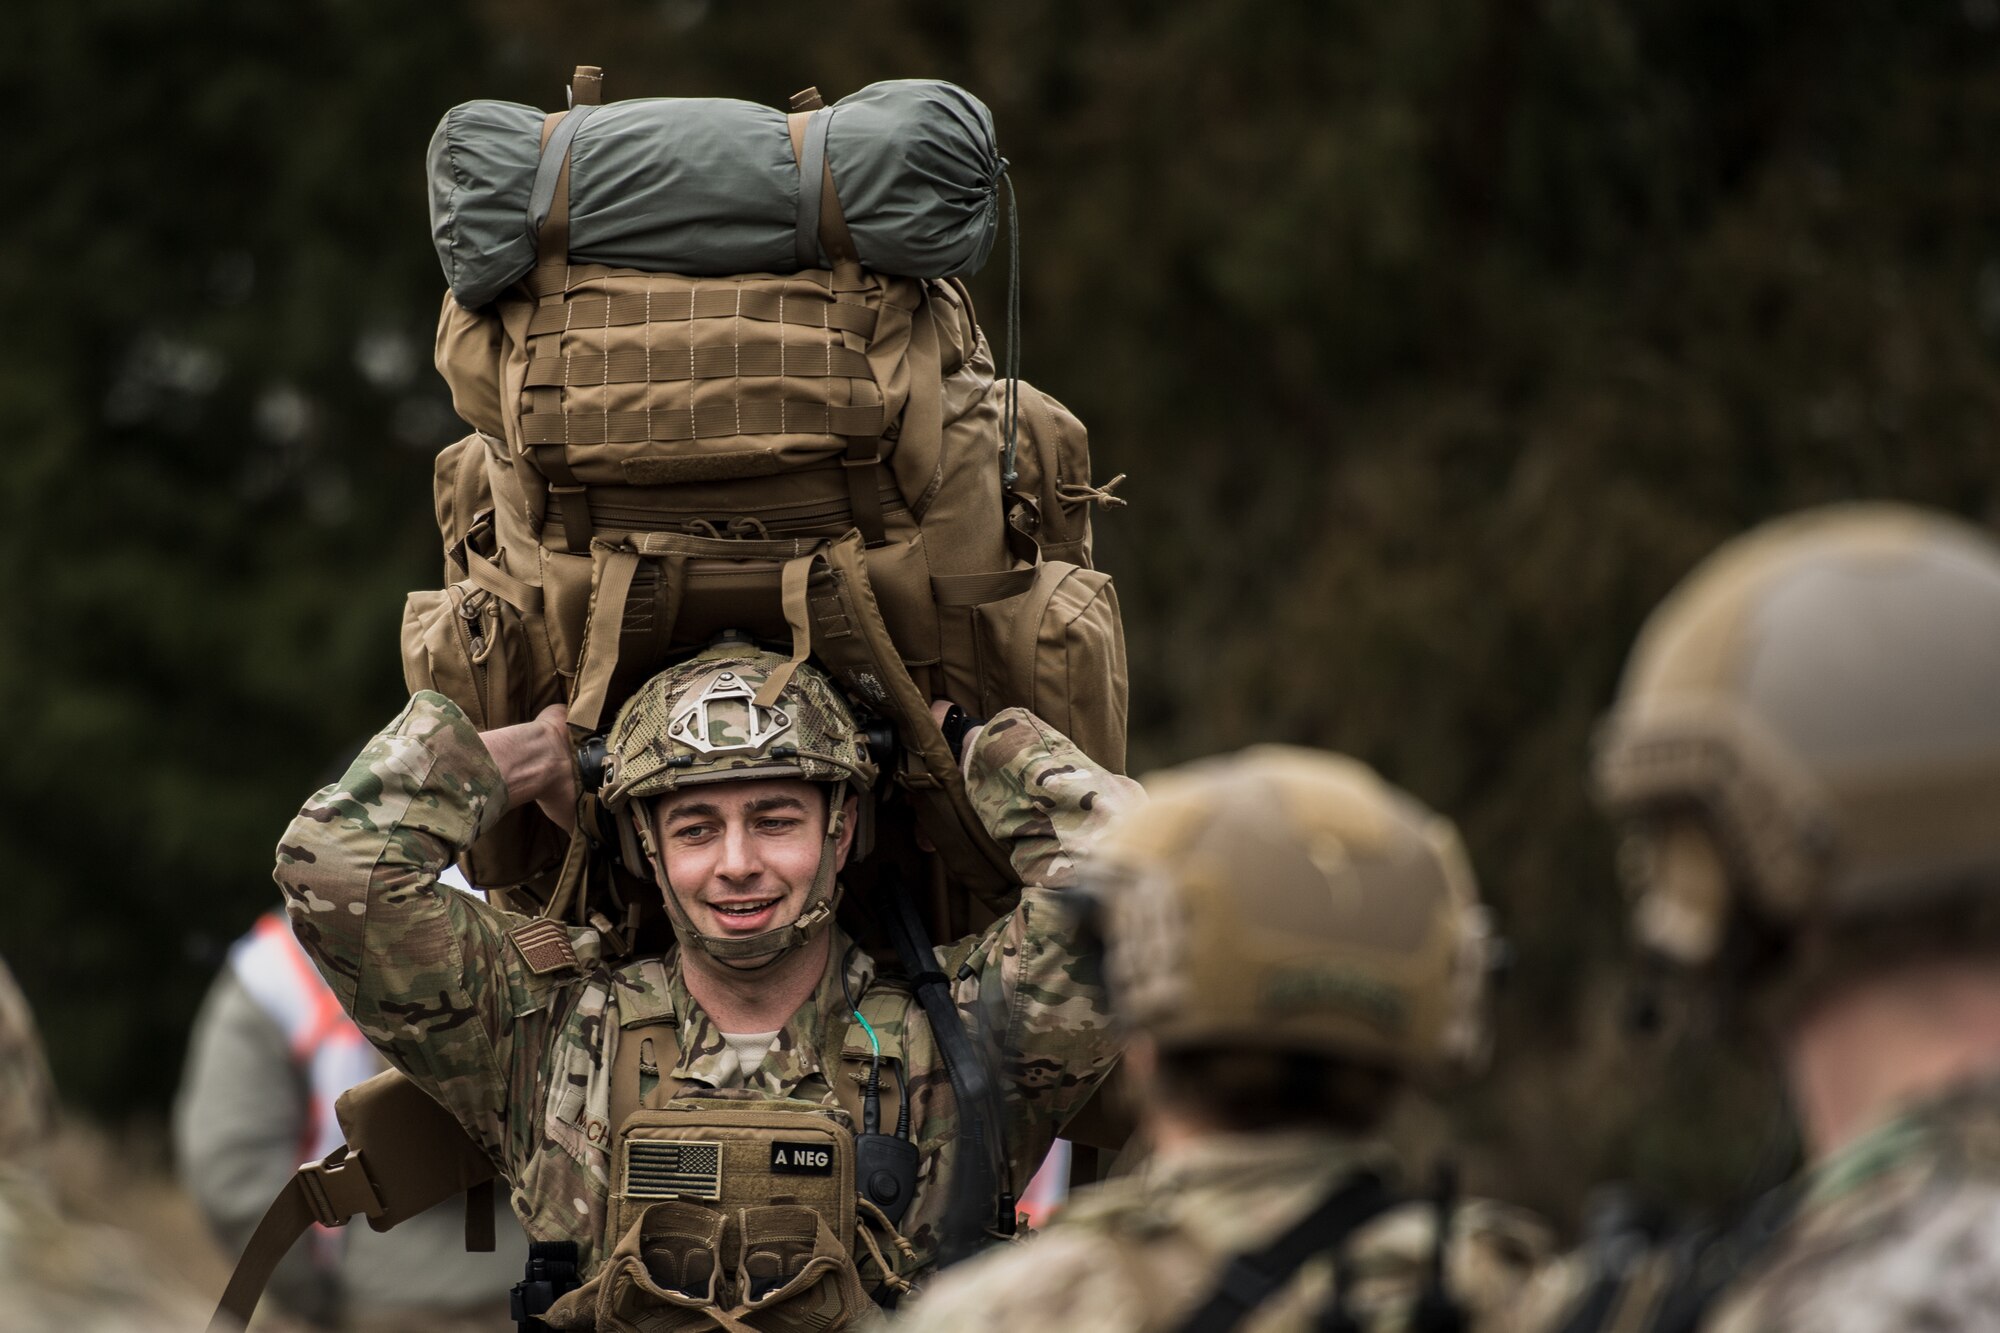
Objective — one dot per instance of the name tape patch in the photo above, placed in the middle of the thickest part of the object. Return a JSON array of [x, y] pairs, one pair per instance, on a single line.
[[801, 1159]]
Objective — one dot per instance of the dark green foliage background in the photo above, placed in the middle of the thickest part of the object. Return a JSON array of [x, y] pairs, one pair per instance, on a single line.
[[1438, 340]]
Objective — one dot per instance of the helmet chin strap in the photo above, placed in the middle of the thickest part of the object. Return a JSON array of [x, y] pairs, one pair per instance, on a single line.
[[751, 954]]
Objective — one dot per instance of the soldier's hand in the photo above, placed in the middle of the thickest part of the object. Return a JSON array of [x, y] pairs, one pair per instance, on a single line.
[[536, 762], [959, 728]]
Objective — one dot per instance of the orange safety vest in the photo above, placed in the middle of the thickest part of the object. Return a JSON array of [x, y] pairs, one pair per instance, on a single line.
[[327, 1049]]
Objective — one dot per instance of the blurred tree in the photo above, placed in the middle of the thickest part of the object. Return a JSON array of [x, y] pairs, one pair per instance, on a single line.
[[218, 414]]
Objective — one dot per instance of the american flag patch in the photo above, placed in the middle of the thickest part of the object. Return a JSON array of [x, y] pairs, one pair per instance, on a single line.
[[668, 1170], [544, 947]]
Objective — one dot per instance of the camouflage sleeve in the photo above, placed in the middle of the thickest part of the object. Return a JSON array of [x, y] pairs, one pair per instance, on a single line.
[[1040, 796], [1028, 980], [426, 971]]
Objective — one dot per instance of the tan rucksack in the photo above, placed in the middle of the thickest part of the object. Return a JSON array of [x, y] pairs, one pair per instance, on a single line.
[[813, 458]]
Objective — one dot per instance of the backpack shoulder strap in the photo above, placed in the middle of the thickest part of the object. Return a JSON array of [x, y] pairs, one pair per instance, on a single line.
[[1254, 1276], [642, 1068]]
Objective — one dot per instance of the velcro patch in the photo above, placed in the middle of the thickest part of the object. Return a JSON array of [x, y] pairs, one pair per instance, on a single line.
[[544, 947], [801, 1159]]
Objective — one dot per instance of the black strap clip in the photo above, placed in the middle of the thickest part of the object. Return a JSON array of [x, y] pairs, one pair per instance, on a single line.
[[551, 1274]]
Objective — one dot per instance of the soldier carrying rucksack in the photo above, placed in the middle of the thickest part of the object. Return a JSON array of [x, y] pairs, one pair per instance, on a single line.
[[596, 1085], [726, 539]]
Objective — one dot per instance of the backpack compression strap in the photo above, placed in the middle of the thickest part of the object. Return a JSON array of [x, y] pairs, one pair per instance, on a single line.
[[328, 1192], [1253, 1277]]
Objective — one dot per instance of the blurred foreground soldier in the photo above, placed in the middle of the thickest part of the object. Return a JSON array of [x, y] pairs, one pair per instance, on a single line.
[[1804, 760], [270, 1052], [56, 1273], [688, 1122], [1292, 941], [27, 1095]]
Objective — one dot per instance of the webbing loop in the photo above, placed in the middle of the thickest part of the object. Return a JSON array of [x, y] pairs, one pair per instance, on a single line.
[[1011, 411], [549, 174], [812, 162]]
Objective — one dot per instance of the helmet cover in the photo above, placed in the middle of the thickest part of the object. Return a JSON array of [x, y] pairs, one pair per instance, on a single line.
[[1808, 730], [1290, 899], [733, 712]]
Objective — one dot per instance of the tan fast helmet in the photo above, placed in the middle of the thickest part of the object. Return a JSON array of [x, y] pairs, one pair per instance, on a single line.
[[1290, 900], [1808, 731], [734, 712]]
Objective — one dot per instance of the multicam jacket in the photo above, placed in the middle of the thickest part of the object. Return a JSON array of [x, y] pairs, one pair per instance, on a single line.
[[1900, 1230], [1139, 1255], [524, 1060]]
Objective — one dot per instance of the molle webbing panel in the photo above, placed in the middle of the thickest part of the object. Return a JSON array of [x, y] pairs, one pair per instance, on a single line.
[[725, 1152], [713, 298], [642, 364], [718, 419], [621, 358]]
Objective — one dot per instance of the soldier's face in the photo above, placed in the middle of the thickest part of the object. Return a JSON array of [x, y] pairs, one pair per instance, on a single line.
[[741, 856]]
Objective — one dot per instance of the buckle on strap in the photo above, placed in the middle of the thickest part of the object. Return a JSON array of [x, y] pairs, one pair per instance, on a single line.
[[338, 1189]]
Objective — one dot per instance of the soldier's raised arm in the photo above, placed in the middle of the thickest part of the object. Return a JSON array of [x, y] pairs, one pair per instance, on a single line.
[[426, 972], [1028, 980]]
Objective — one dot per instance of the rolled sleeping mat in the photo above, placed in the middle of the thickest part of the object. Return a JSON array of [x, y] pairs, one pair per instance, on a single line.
[[706, 186]]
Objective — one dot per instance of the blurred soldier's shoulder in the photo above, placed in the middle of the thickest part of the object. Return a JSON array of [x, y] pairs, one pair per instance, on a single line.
[[58, 1273], [27, 1098], [1142, 1253], [1900, 1230]]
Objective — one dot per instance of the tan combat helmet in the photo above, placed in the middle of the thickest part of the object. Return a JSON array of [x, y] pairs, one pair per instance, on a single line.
[[733, 712], [1290, 900], [1808, 733]]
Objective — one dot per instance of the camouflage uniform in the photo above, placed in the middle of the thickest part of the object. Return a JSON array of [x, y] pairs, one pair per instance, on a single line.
[[524, 1060], [1896, 1231], [1287, 903], [1802, 762], [1139, 1254], [1901, 1230]]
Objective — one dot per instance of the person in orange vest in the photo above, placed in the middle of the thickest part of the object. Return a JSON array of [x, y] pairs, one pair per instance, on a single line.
[[271, 1052]]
